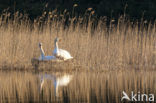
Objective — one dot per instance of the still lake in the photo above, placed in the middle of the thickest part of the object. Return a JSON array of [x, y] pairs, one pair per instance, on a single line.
[[75, 86]]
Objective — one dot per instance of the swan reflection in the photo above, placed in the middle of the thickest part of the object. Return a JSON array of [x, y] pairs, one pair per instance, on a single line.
[[57, 81]]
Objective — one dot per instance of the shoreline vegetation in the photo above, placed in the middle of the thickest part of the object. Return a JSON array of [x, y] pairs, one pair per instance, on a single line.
[[94, 44]]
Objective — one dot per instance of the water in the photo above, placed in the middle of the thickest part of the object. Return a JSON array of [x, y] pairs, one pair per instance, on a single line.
[[84, 86]]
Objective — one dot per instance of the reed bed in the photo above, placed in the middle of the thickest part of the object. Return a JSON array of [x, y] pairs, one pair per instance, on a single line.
[[93, 43]]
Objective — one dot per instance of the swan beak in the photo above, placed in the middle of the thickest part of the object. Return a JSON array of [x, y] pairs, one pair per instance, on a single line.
[[60, 40]]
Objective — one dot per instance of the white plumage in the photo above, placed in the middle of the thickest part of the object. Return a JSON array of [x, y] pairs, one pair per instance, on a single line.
[[43, 57], [60, 53]]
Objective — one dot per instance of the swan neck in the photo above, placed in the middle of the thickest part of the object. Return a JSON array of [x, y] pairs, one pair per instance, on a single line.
[[42, 51], [56, 45]]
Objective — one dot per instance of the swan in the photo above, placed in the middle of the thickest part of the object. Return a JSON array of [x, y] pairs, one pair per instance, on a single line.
[[43, 57], [60, 53], [56, 81], [35, 61]]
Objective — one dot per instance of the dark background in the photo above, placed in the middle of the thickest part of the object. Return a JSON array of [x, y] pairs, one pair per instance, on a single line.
[[135, 9]]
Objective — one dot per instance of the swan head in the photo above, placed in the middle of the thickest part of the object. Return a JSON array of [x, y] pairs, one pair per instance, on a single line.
[[40, 45], [56, 39]]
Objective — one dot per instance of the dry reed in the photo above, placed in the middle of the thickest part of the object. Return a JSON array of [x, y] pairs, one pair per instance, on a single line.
[[122, 45]]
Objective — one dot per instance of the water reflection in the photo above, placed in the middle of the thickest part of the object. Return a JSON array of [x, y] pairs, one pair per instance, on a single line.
[[57, 81], [74, 87]]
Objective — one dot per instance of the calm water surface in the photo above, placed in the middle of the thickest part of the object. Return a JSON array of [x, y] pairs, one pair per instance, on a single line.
[[84, 86]]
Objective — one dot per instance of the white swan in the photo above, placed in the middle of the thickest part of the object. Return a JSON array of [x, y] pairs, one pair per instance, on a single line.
[[43, 57], [56, 81], [60, 53]]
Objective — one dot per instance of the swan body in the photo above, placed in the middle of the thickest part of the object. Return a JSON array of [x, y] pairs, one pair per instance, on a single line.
[[60, 53], [43, 57], [47, 58]]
